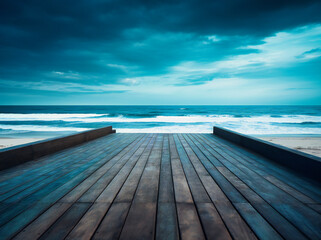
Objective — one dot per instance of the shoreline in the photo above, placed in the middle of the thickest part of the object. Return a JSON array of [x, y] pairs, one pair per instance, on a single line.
[[285, 135], [6, 142], [308, 143], [303, 143]]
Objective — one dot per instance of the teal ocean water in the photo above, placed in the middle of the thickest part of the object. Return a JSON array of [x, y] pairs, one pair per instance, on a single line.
[[17, 121]]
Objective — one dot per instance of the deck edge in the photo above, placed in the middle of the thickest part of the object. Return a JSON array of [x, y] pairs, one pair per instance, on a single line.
[[13, 156], [303, 163]]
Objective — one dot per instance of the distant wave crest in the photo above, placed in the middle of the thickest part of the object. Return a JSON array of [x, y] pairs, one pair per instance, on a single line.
[[40, 128], [92, 118], [256, 124]]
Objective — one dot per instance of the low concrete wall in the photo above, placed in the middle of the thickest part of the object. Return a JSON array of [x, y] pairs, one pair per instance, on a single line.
[[305, 164], [23, 153]]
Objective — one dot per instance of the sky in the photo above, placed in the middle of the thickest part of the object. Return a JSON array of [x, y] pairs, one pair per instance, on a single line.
[[78, 52]]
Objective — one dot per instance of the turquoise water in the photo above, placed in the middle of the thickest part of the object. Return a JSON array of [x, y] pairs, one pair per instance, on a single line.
[[17, 121]]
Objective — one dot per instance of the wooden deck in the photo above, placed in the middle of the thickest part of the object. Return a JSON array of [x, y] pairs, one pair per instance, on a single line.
[[163, 186]]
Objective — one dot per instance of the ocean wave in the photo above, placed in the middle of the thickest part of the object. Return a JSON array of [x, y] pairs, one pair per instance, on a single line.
[[214, 119], [41, 128], [166, 129], [256, 129], [259, 124], [206, 119], [47, 116], [205, 128]]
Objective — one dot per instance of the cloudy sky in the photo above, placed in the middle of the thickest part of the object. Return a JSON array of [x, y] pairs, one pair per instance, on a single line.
[[160, 52]]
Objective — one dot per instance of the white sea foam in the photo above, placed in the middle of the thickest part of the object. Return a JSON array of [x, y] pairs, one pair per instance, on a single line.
[[97, 118], [200, 128], [208, 128], [209, 119], [168, 129], [41, 128], [264, 124], [47, 116]]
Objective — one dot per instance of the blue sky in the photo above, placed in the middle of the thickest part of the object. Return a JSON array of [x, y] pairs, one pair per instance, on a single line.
[[160, 52]]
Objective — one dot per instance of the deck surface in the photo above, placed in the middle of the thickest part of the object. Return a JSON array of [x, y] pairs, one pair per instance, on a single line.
[[163, 186]]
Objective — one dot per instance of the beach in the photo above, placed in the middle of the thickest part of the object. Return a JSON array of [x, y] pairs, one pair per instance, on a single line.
[[38, 121], [297, 127], [307, 144], [10, 142]]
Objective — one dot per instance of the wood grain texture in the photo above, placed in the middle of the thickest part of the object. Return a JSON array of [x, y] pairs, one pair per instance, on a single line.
[[157, 186], [16, 155]]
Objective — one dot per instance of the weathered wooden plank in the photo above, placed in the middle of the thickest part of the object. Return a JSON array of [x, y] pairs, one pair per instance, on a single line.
[[205, 157], [302, 163], [112, 224], [53, 163], [122, 175], [48, 180], [45, 165], [66, 222], [90, 221], [166, 189], [185, 186], [43, 222], [77, 192], [269, 191], [198, 192], [20, 204], [50, 215], [37, 195], [280, 200], [126, 194], [87, 225], [290, 182], [268, 168], [295, 193], [62, 167], [16, 155], [30, 199], [188, 221], [212, 222], [259, 225], [206, 210], [281, 224], [181, 188], [278, 221], [140, 222], [305, 186], [167, 226], [28, 167], [49, 197], [98, 188], [304, 218], [235, 224]]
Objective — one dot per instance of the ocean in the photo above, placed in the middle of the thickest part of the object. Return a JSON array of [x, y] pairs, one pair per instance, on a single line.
[[51, 121]]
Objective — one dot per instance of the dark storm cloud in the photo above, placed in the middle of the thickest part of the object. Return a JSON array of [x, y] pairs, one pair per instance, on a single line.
[[49, 21], [249, 17], [105, 41]]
